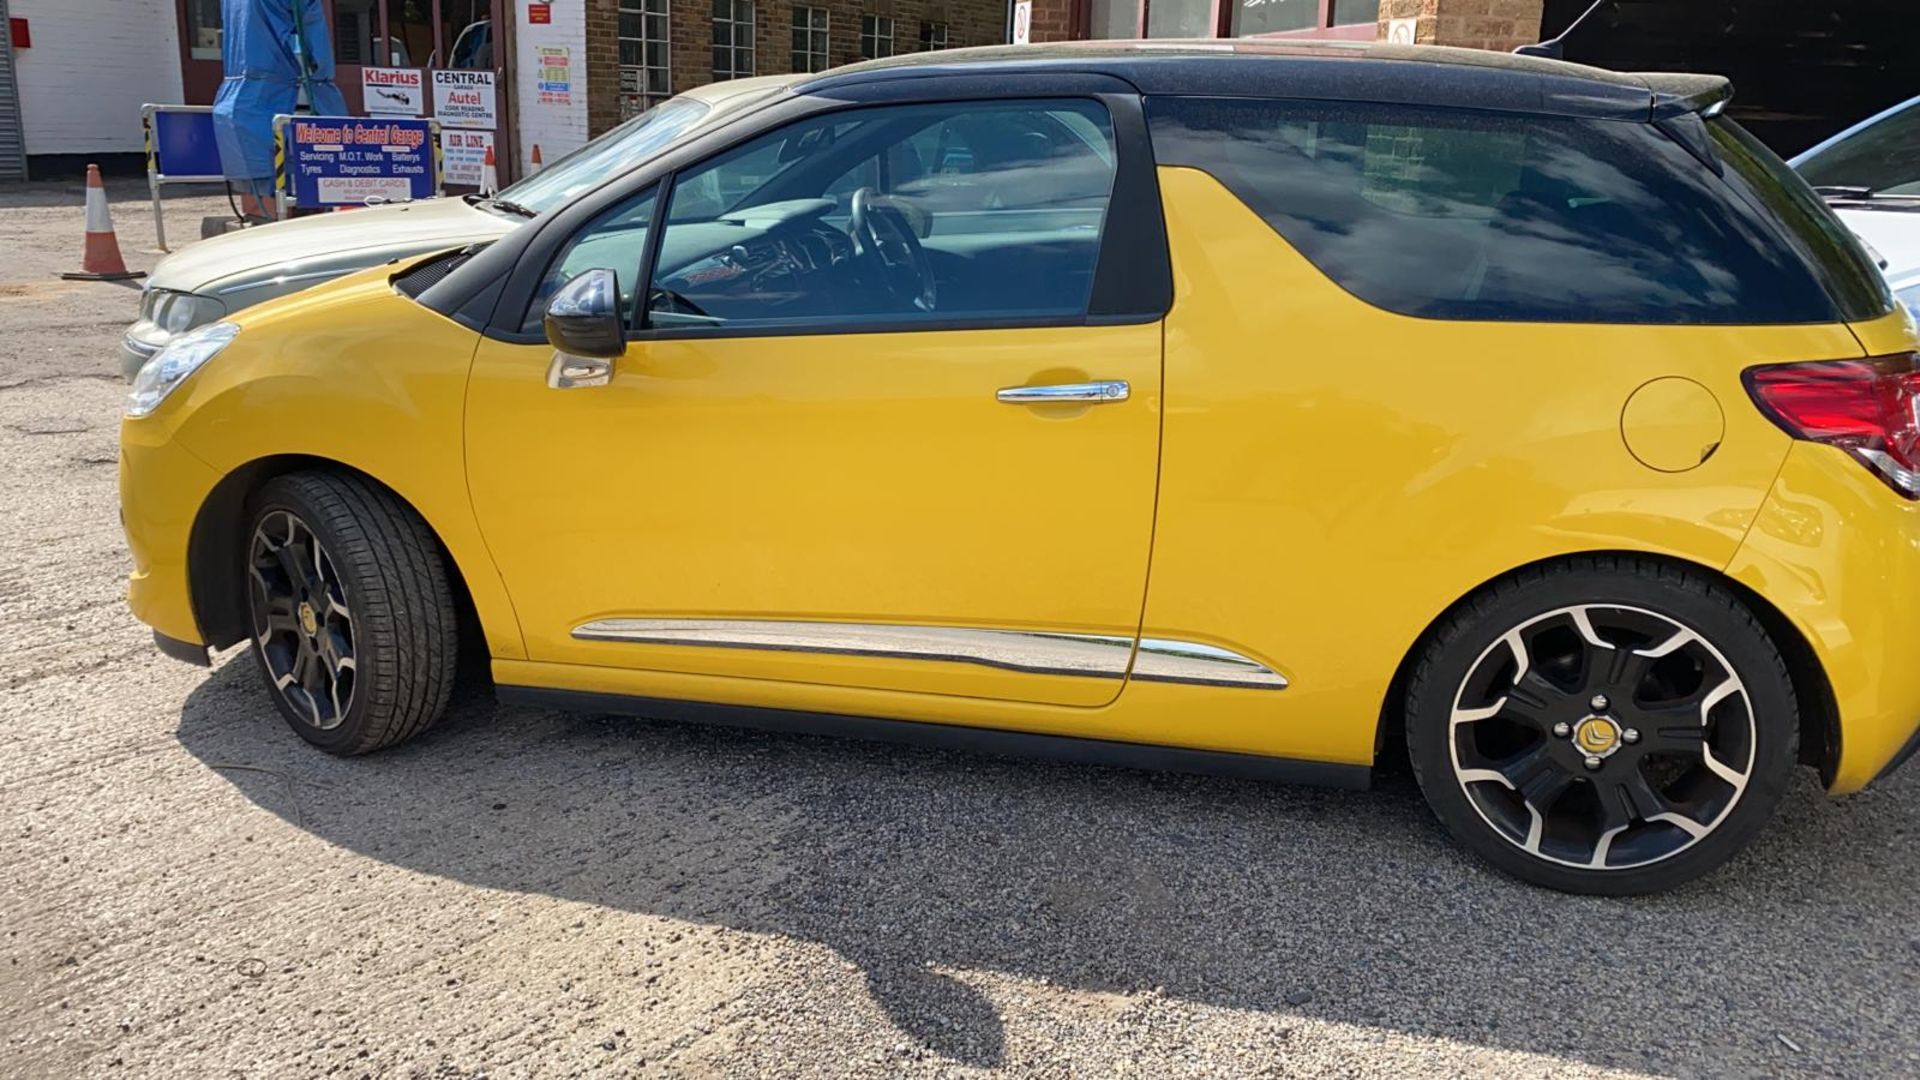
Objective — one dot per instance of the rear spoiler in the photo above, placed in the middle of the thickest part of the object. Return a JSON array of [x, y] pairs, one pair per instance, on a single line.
[[1678, 94], [1682, 103]]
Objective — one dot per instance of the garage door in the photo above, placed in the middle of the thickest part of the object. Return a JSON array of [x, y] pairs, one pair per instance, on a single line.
[[13, 143]]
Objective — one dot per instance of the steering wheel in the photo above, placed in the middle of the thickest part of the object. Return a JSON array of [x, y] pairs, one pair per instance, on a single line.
[[883, 239]]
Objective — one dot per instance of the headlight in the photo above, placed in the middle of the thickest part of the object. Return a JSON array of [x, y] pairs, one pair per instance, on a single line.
[[178, 312], [170, 366]]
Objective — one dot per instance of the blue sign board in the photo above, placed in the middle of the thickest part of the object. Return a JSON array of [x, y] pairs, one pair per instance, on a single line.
[[182, 148], [327, 161], [184, 143]]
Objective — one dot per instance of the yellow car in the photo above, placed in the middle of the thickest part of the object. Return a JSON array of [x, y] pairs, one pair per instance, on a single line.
[[1227, 407]]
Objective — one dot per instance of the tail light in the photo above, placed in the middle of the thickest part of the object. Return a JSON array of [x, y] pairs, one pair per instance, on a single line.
[[1865, 407]]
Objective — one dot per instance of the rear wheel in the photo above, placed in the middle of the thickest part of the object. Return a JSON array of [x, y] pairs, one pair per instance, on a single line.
[[353, 620], [1608, 726]]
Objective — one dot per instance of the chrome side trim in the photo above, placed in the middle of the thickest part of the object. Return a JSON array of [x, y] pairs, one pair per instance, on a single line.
[[1097, 656], [1166, 660], [1091, 655]]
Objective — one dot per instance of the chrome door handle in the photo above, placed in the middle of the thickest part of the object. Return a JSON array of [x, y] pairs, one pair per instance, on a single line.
[[568, 372], [1087, 393]]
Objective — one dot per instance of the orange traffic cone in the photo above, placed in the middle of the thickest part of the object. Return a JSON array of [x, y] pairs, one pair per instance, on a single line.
[[536, 159], [489, 175], [102, 261]]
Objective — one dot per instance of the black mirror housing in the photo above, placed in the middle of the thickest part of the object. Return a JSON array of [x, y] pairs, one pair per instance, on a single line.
[[583, 319]]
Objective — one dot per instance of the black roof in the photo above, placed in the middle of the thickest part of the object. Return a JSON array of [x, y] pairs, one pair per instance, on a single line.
[[1327, 70]]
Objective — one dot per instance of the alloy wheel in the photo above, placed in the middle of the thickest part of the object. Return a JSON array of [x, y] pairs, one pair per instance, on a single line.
[[1603, 737], [302, 624]]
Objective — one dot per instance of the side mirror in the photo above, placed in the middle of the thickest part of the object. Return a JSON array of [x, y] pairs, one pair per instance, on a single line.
[[583, 319]]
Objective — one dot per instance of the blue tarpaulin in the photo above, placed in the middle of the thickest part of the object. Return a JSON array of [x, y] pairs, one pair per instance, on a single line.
[[264, 46]]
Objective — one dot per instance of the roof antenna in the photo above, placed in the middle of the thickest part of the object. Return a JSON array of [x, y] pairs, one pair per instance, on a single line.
[[1554, 48]]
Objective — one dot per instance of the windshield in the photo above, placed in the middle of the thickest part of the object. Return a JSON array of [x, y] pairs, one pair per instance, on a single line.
[[610, 154], [1883, 157]]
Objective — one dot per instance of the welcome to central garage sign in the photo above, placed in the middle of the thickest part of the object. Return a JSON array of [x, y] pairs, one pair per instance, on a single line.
[[329, 161]]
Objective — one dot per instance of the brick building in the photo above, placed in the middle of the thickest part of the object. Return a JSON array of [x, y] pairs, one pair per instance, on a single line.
[[640, 52], [569, 69], [1484, 24]]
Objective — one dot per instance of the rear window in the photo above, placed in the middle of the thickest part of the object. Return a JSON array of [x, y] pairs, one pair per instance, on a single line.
[[1821, 239], [1452, 214]]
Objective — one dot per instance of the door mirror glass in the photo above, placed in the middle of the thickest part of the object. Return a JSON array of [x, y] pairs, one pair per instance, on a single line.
[[583, 319]]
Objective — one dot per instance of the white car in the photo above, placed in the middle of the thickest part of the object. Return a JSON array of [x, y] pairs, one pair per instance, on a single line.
[[214, 278], [1870, 175]]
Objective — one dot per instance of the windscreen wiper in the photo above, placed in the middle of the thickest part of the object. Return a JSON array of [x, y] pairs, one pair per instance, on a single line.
[[514, 208], [1860, 193]]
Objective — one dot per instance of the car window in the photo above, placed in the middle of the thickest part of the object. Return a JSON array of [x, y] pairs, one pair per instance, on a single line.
[[1851, 276], [707, 193], [1883, 156], [609, 155], [616, 240], [1454, 214], [970, 212]]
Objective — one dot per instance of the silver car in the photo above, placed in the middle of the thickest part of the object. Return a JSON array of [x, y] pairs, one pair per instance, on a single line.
[[214, 278], [1870, 175]]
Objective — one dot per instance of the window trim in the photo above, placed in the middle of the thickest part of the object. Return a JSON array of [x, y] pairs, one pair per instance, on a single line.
[[927, 35], [1133, 278]]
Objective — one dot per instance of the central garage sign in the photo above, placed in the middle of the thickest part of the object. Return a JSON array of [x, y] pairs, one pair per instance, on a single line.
[[465, 99], [329, 161]]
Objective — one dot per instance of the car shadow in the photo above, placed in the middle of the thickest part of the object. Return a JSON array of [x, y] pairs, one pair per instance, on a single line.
[[910, 863]]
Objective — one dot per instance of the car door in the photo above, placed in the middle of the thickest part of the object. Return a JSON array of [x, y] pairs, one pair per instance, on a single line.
[[887, 417]]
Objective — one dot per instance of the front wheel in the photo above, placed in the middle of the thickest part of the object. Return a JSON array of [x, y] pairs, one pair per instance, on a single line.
[[353, 621], [1606, 726]]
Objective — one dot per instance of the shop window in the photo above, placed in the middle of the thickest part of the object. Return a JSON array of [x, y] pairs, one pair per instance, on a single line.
[[466, 34], [1180, 18], [1355, 12], [354, 31], [876, 36], [409, 32], [203, 29], [1121, 19], [933, 35], [646, 75], [810, 39], [1114, 19], [1274, 16], [732, 39]]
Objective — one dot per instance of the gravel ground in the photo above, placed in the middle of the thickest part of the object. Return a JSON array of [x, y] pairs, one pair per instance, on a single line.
[[189, 891]]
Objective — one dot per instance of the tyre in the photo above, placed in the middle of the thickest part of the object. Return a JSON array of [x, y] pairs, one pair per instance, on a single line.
[[1605, 725], [354, 624]]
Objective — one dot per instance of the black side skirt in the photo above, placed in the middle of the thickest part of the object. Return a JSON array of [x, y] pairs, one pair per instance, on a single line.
[[954, 737]]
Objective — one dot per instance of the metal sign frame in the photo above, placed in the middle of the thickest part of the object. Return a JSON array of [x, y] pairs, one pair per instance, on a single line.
[[283, 191], [157, 179]]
